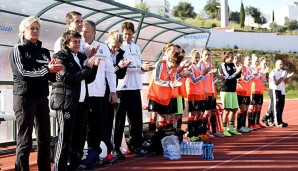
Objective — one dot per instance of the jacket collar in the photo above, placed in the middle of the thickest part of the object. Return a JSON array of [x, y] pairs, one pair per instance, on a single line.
[[29, 44]]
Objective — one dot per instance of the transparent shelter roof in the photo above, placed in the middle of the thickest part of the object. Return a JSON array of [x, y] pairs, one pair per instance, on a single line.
[[152, 31]]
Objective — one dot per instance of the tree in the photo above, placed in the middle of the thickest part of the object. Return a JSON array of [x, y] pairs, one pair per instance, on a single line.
[[184, 10], [143, 6], [273, 17], [291, 24], [273, 26], [212, 9], [256, 14], [235, 17], [261, 20], [242, 16]]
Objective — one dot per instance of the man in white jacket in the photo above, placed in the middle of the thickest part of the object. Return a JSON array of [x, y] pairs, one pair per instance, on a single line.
[[128, 91], [98, 104]]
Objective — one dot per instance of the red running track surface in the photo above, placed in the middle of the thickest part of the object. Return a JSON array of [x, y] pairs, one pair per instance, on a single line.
[[273, 149]]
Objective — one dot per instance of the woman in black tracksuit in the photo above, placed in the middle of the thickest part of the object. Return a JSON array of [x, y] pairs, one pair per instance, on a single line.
[[31, 74], [70, 98]]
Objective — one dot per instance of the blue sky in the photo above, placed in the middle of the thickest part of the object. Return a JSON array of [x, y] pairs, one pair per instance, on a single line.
[[265, 6]]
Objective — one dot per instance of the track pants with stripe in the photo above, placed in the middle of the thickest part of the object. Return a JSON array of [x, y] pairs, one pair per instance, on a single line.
[[29, 112], [71, 137], [276, 106]]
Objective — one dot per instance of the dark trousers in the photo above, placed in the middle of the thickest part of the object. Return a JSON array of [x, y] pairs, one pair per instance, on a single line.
[[130, 104], [98, 109], [71, 137], [108, 124], [276, 107], [29, 112]]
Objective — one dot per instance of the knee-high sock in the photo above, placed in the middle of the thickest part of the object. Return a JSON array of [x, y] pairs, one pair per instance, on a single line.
[[250, 117], [213, 122], [232, 125], [204, 124], [190, 126], [244, 118], [239, 119], [179, 123]]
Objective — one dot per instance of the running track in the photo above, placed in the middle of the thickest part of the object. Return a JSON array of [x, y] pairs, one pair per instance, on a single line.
[[273, 149]]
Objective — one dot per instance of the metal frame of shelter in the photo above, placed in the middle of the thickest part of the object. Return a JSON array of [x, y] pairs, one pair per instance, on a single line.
[[121, 13], [150, 28]]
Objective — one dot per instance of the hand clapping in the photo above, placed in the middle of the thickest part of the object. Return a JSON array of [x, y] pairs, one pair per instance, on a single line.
[[91, 50], [55, 65], [147, 67]]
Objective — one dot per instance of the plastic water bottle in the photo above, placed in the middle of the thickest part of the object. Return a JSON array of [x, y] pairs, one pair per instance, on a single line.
[[188, 148], [182, 147], [204, 154], [196, 150], [211, 156], [200, 148]]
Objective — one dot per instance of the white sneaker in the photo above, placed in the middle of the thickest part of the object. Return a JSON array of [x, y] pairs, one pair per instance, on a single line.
[[247, 129], [242, 129], [218, 134]]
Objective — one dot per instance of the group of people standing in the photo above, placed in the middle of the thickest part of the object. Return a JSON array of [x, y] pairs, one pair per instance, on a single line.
[[243, 81], [86, 75], [93, 82]]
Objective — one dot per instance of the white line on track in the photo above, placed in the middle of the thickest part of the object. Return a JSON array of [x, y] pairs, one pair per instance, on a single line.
[[227, 161]]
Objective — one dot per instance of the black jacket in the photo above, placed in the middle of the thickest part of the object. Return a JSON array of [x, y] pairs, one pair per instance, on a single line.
[[66, 91], [31, 75], [120, 72], [228, 85]]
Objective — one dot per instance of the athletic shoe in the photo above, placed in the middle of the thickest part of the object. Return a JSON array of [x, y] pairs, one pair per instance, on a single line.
[[107, 161], [218, 134], [243, 130], [227, 134], [285, 124], [261, 125], [282, 125], [247, 129], [234, 132], [207, 136], [144, 153], [253, 127], [118, 155]]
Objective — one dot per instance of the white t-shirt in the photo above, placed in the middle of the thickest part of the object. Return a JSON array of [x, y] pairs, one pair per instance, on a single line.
[[276, 75], [105, 70], [133, 77], [83, 84]]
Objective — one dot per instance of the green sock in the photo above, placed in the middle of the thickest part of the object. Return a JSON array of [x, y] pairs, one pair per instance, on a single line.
[[232, 125], [224, 126]]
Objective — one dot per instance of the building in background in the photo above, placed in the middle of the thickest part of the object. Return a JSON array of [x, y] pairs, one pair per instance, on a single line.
[[289, 10], [159, 7]]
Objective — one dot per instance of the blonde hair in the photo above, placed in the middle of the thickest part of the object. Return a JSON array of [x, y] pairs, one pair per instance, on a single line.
[[27, 22], [115, 35], [164, 49], [194, 51]]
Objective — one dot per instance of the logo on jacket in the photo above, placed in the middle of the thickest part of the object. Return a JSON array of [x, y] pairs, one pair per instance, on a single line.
[[27, 55], [45, 57], [66, 115], [228, 68]]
